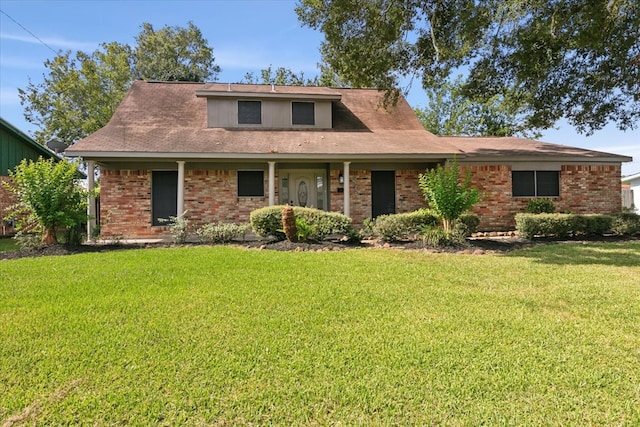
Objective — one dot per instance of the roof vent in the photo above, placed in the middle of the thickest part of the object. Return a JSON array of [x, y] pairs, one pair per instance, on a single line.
[[273, 87], [228, 87]]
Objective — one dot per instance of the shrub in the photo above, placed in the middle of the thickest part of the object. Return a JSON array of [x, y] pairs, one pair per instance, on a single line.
[[267, 222], [221, 233], [395, 227], [561, 225], [538, 206], [626, 223], [178, 227], [439, 237], [467, 224]]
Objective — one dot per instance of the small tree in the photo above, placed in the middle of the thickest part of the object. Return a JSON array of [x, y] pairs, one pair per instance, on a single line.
[[49, 197], [446, 195]]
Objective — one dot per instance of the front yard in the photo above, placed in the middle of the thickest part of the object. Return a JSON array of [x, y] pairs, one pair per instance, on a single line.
[[548, 335]]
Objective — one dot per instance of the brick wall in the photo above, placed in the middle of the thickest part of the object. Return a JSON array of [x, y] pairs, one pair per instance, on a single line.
[[6, 200], [583, 189], [211, 196]]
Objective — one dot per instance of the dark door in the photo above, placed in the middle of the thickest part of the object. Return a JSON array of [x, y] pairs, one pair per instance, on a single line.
[[164, 195], [383, 193]]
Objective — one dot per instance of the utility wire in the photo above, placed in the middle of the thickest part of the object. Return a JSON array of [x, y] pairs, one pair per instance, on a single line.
[[24, 28]]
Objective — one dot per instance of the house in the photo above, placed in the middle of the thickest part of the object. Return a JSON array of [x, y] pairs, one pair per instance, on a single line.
[[631, 184], [14, 147], [218, 151]]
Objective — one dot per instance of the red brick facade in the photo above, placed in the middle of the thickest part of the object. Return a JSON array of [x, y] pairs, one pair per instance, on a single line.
[[584, 189], [6, 200], [211, 196]]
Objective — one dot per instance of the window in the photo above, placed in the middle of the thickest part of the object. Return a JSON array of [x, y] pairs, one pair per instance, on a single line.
[[251, 183], [249, 112], [303, 113], [535, 183], [164, 196]]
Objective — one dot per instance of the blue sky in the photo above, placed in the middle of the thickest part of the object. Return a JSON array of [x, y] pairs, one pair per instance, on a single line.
[[246, 35]]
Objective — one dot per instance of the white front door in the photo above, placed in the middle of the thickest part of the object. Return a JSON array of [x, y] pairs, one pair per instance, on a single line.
[[302, 190]]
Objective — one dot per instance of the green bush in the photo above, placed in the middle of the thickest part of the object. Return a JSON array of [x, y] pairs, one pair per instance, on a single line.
[[561, 225], [267, 222], [626, 224], [538, 206], [467, 224], [438, 237], [395, 227], [221, 233]]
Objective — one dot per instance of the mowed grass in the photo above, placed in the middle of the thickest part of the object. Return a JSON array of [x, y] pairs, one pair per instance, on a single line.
[[227, 336]]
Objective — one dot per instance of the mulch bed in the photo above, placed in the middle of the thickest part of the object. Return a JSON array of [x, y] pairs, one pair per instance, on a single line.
[[477, 246]]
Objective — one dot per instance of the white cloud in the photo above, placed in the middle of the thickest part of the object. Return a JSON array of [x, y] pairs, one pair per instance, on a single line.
[[53, 42]]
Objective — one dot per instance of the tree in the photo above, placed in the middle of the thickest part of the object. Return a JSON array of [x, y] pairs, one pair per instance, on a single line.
[[81, 91], [446, 195], [559, 58], [285, 76], [49, 197], [173, 54], [450, 112]]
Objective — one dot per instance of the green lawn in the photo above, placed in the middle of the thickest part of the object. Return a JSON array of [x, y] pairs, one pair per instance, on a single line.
[[227, 336]]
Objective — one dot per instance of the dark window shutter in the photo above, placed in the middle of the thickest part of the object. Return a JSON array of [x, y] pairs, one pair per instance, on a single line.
[[251, 183], [303, 113], [249, 112], [523, 183]]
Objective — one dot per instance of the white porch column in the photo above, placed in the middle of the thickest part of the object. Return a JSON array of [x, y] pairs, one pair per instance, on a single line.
[[272, 183], [180, 188], [91, 202], [347, 191]]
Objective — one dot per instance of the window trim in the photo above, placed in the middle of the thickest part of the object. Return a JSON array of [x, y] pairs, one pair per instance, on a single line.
[[238, 172], [248, 102], [313, 118], [536, 182]]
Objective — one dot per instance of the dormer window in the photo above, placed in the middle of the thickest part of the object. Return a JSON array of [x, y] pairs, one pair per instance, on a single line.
[[249, 112], [303, 113]]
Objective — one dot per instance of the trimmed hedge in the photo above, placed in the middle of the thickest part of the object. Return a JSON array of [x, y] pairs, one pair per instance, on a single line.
[[562, 225], [402, 226], [221, 233], [626, 224], [267, 222]]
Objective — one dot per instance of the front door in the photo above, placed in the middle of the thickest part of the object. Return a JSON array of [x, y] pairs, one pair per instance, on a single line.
[[383, 193], [302, 190]]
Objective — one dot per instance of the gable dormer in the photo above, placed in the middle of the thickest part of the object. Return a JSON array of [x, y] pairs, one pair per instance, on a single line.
[[269, 107]]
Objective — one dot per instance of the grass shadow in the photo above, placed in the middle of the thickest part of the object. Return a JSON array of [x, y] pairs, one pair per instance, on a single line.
[[620, 254]]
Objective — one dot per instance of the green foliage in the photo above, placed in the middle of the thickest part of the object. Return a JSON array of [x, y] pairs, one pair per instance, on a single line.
[[80, 92], [438, 237], [49, 196], [178, 227], [285, 76], [450, 111], [467, 224], [626, 223], [550, 58], [561, 225], [267, 222], [445, 194], [221, 233], [304, 231], [395, 227], [173, 54], [537, 206]]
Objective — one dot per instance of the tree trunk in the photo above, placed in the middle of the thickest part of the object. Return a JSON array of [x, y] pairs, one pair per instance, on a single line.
[[289, 224], [49, 237]]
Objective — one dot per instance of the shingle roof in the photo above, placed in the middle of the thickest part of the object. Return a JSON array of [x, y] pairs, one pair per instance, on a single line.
[[169, 120]]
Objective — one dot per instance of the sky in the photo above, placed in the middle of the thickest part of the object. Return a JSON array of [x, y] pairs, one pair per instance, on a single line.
[[246, 36]]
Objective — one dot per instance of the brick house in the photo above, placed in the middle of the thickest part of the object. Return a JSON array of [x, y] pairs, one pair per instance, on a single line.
[[218, 151], [15, 146]]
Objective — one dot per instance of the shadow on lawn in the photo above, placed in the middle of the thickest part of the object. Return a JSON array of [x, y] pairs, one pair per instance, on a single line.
[[621, 254]]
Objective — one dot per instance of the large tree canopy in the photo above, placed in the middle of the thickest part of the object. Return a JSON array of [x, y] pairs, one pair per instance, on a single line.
[[558, 58], [81, 91]]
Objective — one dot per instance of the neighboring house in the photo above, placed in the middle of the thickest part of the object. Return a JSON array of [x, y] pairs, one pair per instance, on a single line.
[[218, 151], [631, 192], [14, 147]]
